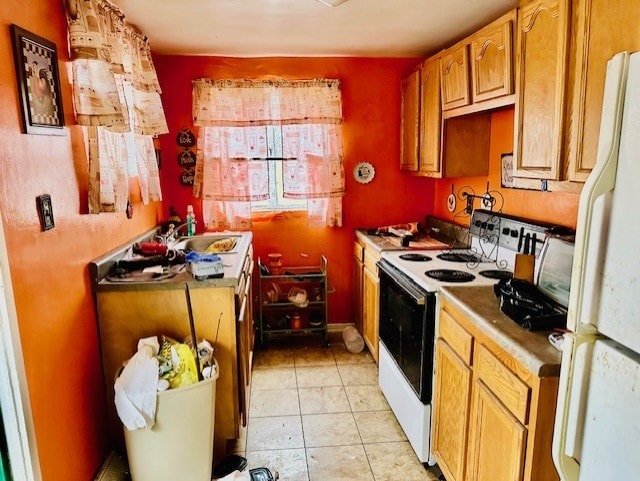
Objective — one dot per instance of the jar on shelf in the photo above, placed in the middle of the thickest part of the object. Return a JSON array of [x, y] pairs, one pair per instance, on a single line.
[[275, 263], [296, 321]]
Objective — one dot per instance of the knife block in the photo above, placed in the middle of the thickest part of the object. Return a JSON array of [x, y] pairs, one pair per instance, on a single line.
[[524, 267]]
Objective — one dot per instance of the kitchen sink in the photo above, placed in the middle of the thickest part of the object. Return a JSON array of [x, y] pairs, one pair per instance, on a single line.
[[217, 244]]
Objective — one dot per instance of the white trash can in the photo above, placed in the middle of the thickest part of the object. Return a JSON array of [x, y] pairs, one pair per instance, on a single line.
[[180, 444]]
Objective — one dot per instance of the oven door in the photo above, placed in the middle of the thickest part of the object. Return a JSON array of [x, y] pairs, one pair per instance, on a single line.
[[407, 325]]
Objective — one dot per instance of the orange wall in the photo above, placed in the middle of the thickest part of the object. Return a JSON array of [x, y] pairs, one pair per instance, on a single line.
[[54, 306], [556, 207], [371, 112]]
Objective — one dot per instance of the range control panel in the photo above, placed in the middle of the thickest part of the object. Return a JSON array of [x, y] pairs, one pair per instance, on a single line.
[[519, 235]]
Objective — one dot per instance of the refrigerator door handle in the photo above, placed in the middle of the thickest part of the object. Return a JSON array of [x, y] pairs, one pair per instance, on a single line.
[[600, 181], [573, 384]]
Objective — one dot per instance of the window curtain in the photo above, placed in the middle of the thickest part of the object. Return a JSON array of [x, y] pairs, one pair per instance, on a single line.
[[232, 116], [116, 96]]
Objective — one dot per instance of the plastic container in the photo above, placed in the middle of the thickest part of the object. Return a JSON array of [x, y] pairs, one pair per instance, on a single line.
[[191, 221], [352, 339], [180, 444]]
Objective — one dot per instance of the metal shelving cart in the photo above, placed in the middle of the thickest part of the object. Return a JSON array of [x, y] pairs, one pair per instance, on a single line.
[[293, 301]]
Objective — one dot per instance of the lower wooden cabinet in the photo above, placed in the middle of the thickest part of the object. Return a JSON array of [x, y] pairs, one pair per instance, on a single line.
[[497, 439], [371, 302], [358, 279], [451, 410], [492, 419]]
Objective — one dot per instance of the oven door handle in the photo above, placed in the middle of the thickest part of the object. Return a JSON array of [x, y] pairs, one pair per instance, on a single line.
[[417, 293]]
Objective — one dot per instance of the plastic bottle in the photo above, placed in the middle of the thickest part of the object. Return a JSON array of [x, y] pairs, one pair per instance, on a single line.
[[191, 221]]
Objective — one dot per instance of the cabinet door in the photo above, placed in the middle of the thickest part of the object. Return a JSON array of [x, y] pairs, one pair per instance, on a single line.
[[430, 119], [371, 310], [540, 88], [451, 411], [455, 77], [602, 29], [244, 357], [410, 121], [497, 440], [492, 60], [357, 286]]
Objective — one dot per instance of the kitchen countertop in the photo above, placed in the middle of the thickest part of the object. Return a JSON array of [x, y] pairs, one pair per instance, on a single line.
[[232, 262], [377, 243], [531, 349]]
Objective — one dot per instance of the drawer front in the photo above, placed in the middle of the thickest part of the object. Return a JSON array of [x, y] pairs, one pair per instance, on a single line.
[[358, 251], [505, 385], [456, 336], [370, 260]]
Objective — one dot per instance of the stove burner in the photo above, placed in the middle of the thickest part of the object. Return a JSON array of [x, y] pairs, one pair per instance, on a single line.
[[460, 257], [450, 275], [414, 257], [496, 274]]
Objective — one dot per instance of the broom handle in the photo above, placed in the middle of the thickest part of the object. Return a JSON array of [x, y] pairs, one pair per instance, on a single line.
[[192, 327]]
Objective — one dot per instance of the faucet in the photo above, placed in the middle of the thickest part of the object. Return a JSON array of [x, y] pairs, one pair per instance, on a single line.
[[170, 236]]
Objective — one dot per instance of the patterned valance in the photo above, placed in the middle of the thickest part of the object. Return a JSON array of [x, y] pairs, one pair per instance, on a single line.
[[239, 103], [109, 58]]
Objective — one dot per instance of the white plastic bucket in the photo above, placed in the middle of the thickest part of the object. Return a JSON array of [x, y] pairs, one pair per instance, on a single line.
[[180, 444]]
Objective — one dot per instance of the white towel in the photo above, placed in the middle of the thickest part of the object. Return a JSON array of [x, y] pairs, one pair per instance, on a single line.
[[136, 388], [237, 476]]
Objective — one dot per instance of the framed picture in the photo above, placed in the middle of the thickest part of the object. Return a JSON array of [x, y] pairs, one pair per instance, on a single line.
[[507, 170], [36, 62]]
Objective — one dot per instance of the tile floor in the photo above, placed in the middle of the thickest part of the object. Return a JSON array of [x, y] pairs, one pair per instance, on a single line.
[[317, 414]]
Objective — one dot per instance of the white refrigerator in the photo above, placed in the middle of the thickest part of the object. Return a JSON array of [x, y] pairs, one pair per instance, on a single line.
[[597, 428]]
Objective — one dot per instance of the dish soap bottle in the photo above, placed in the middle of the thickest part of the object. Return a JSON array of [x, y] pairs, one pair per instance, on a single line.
[[191, 221]]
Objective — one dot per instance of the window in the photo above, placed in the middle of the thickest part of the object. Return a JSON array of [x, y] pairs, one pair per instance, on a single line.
[[276, 201], [245, 126]]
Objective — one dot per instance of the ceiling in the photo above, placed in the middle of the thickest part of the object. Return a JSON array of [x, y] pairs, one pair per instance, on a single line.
[[308, 28]]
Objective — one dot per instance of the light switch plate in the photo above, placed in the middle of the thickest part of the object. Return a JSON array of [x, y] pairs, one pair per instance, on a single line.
[[45, 212]]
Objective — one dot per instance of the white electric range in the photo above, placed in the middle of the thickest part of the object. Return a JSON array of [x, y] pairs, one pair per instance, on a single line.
[[409, 283]]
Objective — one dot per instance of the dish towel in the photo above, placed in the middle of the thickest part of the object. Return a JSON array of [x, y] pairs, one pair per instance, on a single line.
[[136, 387]]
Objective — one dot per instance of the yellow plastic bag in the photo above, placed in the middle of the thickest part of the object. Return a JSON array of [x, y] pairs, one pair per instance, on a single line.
[[183, 362]]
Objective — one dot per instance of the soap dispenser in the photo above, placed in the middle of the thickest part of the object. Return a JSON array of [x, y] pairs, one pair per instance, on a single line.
[[191, 221]]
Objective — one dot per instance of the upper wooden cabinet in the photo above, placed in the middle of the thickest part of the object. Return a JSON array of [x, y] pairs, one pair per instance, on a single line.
[[601, 28], [430, 119], [455, 76], [410, 121], [492, 59], [541, 55], [477, 72], [435, 147]]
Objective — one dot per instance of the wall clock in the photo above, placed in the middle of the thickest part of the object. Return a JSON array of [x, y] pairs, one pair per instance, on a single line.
[[364, 172]]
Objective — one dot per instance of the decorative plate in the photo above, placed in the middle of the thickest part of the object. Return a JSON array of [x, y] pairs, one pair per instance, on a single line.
[[451, 202], [364, 172]]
